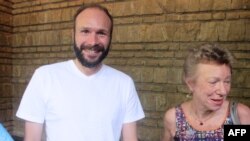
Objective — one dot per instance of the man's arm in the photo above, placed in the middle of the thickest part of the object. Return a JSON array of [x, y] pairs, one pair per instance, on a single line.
[[129, 132], [33, 131]]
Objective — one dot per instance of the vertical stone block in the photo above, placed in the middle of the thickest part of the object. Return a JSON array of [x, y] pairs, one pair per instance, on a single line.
[[160, 75], [208, 32], [149, 7], [247, 36], [170, 6], [221, 4], [146, 75], [169, 31], [206, 5], [223, 30], [237, 4], [237, 31], [54, 15], [154, 33], [131, 33], [193, 6], [67, 14], [66, 36], [161, 102], [150, 133], [123, 9], [182, 5], [148, 101], [187, 31]]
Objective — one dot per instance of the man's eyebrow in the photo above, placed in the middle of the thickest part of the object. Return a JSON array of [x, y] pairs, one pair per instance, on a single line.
[[98, 30], [103, 30]]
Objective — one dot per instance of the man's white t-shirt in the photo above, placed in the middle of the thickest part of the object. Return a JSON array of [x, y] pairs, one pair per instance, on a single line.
[[76, 107]]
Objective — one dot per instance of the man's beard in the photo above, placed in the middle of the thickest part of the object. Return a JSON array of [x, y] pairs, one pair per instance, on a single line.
[[96, 48]]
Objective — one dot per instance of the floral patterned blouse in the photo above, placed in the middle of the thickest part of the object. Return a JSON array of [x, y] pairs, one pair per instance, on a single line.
[[185, 132]]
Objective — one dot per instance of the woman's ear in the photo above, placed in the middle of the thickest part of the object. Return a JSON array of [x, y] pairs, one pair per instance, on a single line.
[[190, 83]]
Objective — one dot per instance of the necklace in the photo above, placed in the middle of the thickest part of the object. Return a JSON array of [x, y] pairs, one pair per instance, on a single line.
[[201, 122]]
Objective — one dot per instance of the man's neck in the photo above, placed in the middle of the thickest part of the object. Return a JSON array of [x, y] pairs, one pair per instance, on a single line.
[[87, 71]]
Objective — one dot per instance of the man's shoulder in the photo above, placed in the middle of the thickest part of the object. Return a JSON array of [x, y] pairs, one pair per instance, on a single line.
[[53, 67], [56, 65], [116, 72]]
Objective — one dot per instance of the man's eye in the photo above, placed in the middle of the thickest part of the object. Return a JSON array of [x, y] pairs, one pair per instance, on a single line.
[[212, 82], [101, 33], [84, 31]]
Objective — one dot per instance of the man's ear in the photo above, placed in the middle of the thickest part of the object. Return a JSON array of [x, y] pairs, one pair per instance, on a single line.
[[73, 35]]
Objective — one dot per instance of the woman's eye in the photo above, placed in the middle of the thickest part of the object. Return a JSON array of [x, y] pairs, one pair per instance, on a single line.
[[212, 82]]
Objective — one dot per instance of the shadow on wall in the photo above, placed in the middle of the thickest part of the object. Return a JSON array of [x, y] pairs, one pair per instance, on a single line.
[[16, 138]]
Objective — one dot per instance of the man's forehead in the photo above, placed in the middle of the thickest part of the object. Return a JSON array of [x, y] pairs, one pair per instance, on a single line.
[[92, 12], [93, 18]]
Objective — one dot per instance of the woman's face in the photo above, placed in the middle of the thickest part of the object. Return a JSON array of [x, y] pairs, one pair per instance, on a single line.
[[211, 84]]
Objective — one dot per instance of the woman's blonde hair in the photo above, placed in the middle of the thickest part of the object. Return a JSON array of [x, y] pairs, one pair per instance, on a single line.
[[205, 54]]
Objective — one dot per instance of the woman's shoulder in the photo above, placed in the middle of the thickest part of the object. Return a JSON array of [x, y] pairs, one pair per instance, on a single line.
[[170, 117], [243, 113], [170, 114], [170, 122], [172, 111]]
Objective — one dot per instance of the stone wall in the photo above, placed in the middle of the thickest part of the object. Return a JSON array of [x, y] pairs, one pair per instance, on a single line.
[[150, 41], [5, 64]]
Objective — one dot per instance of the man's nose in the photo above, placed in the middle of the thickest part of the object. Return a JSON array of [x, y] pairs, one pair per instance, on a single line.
[[92, 39]]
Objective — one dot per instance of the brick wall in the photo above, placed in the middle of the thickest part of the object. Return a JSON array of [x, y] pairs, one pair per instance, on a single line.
[[5, 64], [150, 41]]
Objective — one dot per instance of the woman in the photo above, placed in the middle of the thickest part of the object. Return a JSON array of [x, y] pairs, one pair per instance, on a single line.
[[207, 73], [4, 135]]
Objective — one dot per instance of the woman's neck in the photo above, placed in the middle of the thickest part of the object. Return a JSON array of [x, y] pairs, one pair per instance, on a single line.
[[200, 113]]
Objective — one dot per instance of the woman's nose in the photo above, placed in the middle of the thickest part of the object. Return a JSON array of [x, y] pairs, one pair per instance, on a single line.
[[222, 89]]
